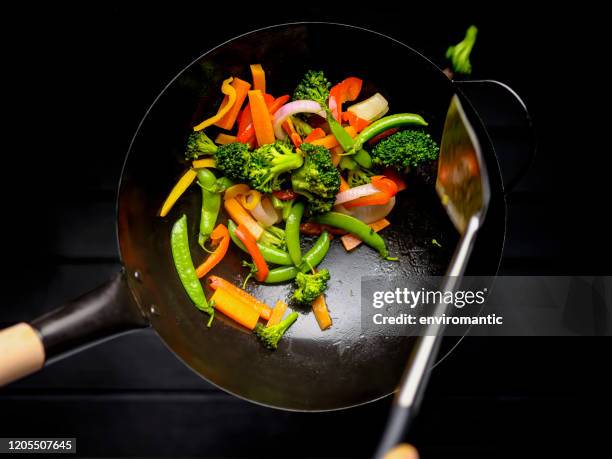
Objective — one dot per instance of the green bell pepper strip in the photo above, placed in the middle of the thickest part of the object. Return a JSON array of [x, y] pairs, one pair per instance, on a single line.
[[271, 254], [179, 243], [292, 232], [356, 227], [361, 156], [211, 203], [381, 125], [310, 259]]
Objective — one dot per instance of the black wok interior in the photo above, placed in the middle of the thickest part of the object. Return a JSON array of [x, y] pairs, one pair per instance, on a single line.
[[311, 370]]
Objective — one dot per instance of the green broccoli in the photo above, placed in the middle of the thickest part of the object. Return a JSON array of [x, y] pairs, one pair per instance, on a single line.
[[310, 286], [314, 86], [232, 159], [359, 176], [404, 149], [199, 144], [273, 236], [269, 162], [317, 179], [270, 336], [459, 54]]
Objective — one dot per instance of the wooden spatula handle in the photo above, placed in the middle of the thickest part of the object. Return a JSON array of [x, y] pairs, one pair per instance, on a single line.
[[21, 352]]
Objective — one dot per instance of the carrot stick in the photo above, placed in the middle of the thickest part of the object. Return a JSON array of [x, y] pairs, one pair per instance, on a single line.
[[262, 122], [350, 241], [259, 77], [277, 313], [264, 310], [235, 308], [224, 139], [336, 155], [319, 307], [344, 185], [242, 88], [242, 217], [329, 141]]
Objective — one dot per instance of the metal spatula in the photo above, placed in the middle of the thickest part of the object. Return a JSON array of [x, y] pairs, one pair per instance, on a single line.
[[463, 187]]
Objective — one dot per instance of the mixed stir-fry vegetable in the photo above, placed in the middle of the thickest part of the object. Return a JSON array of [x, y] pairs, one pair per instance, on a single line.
[[286, 166]]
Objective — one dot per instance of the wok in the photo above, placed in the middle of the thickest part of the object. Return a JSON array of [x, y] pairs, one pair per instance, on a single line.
[[312, 370]]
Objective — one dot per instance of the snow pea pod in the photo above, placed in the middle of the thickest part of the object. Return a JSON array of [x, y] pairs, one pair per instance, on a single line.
[[292, 232], [271, 254], [356, 227], [347, 143], [179, 243], [381, 125], [310, 259], [211, 203]]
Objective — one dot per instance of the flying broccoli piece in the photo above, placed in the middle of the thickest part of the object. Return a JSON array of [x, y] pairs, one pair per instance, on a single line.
[[317, 179], [232, 159], [404, 149], [273, 236], [310, 286], [459, 54], [269, 162], [199, 144], [270, 336], [314, 86], [359, 176]]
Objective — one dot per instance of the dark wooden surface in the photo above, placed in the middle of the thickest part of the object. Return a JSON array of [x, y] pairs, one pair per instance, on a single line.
[[80, 86]]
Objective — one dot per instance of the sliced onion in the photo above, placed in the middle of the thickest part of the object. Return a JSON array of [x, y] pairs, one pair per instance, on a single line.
[[368, 214], [372, 108], [297, 106], [265, 213], [357, 192]]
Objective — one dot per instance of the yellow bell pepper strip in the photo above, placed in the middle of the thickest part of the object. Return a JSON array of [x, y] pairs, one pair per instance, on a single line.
[[264, 132], [259, 77], [250, 200], [224, 139], [277, 313], [321, 313], [241, 88], [251, 245], [242, 217], [350, 241], [203, 163], [221, 238], [215, 282], [184, 182], [235, 307], [228, 90], [236, 190]]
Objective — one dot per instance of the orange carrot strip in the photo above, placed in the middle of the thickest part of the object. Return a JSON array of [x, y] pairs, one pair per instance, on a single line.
[[216, 282], [329, 141], [343, 184], [350, 241], [235, 308], [277, 313], [242, 217], [319, 307], [262, 122], [259, 77], [242, 88], [336, 155], [224, 139]]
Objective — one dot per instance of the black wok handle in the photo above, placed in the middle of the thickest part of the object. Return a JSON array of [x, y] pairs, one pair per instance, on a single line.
[[101, 314], [487, 97]]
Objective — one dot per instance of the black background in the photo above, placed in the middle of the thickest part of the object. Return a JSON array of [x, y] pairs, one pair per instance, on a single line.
[[77, 81]]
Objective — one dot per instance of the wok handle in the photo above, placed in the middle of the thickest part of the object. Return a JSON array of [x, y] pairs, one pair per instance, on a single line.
[[516, 161], [101, 314]]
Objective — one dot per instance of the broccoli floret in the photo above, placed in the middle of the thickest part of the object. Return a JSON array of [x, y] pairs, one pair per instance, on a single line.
[[270, 336], [404, 149], [314, 86], [459, 54], [318, 179], [359, 176], [273, 236], [232, 159], [199, 144], [310, 286], [269, 162]]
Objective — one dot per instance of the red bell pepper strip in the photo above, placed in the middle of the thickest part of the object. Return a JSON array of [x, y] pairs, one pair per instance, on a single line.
[[285, 195], [385, 184], [346, 90], [289, 128], [375, 199], [382, 135], [220, 236], [392, 174], [316, 134], [251, 245], [353, 120]]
